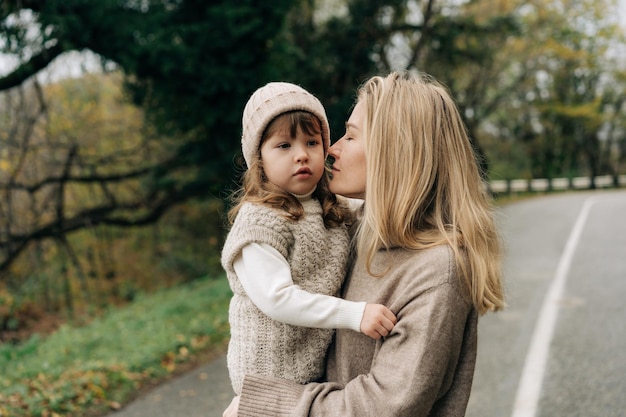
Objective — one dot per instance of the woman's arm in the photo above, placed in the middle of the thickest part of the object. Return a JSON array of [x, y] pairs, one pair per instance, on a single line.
[[266, 277], [423, 368]]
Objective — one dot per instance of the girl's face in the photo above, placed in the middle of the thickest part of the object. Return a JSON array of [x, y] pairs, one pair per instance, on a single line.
[[295, 164], [348, 170]]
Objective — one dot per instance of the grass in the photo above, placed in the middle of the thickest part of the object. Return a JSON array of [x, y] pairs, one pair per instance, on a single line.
[[80, 371]]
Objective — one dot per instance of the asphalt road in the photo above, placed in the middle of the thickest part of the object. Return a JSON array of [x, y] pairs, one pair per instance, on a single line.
[[203, 392], [559, 349]]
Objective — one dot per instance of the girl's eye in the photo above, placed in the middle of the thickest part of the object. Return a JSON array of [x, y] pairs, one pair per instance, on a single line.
[[283, 146], [313, 143]]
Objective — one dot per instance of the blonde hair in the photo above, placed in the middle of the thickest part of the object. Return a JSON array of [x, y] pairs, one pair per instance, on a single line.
[[257, 189], [424, 186]]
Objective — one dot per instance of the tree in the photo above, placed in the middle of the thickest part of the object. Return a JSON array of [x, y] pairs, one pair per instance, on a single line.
[[566, 111], [179, 60], [63, 163], [191, 65]]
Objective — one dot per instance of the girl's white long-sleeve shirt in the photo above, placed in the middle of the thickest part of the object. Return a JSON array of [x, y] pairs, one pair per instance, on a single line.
[[266, 278]]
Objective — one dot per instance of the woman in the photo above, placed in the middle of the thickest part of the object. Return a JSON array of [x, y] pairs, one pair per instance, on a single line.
[[426, 247]]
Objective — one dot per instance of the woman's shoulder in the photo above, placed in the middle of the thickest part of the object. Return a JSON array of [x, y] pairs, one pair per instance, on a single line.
[[440, 257], [427, 268]]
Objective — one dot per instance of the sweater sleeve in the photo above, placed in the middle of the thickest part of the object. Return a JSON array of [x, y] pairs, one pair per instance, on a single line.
[[409, 373], [266, 278]]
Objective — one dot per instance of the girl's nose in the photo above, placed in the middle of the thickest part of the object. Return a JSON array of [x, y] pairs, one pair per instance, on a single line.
[[301, 155]]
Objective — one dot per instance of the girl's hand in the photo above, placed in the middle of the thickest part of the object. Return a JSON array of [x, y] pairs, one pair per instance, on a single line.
[[232, 409], [377, 321]]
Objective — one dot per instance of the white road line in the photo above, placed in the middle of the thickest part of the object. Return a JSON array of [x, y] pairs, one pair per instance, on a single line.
[[529, 388]]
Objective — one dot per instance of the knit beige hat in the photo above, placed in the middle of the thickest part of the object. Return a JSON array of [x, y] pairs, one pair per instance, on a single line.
[[270, 101]]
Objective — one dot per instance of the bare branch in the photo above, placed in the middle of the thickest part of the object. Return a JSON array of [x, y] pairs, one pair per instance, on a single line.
[[28, 69], [425, 30], [85, 179], [103, 215]]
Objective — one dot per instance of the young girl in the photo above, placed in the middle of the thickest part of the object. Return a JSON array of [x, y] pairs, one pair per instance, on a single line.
[[287, 251]]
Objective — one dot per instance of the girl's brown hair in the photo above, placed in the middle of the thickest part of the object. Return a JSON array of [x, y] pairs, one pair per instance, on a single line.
[[257, 189]]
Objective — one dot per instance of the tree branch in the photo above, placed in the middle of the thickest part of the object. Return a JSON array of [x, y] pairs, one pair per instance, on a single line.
[[85, 179], [104, 215], [425, 31], [28, 69], [11, 6]]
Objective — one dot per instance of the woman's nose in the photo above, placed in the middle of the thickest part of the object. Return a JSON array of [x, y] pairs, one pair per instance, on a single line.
[[335, 149]]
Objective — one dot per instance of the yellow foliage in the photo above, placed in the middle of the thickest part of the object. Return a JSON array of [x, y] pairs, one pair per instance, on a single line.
[[488, 9], [71, 389], [168, 362], [564, 52], [97, 390]]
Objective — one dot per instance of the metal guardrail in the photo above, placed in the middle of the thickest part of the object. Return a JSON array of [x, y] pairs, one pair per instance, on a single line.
[[556, 184]]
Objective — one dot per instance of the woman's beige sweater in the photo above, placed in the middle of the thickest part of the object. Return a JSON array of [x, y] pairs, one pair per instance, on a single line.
[[423, 368]]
